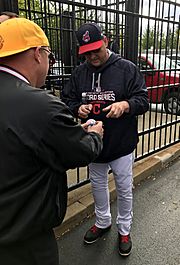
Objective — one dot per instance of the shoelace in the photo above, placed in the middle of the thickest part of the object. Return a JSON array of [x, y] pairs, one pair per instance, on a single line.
[[94, 229], [124, 239]]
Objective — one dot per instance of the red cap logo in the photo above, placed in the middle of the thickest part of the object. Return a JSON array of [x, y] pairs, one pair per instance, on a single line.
[[86, 36]]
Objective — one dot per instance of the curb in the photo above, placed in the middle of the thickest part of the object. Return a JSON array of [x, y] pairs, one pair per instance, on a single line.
[[81, 202]]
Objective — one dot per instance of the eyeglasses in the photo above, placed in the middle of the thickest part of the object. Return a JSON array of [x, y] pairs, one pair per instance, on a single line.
[[51, 56]]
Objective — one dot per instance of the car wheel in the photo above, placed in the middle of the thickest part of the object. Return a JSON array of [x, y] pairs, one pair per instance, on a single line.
[[172, 103]]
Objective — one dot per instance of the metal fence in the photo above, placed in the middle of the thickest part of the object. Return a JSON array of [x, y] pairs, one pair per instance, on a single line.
[[146, 32]]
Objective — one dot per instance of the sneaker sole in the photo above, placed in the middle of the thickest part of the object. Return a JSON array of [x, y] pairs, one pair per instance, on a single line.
[[125, 254], [89, 243]]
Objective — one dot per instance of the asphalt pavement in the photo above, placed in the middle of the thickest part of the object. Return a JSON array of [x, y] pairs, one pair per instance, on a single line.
[[155, 231]]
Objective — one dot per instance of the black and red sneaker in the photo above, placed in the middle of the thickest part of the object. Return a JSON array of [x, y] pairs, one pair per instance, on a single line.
[[94, 233], [125, 245]]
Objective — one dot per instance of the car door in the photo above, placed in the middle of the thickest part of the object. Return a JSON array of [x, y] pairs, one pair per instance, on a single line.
[[154, 80]]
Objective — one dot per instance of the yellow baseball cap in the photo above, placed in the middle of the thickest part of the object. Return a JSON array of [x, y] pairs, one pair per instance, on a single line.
[[20, 34]]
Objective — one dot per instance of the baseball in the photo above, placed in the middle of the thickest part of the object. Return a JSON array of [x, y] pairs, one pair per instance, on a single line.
[[91, 122]]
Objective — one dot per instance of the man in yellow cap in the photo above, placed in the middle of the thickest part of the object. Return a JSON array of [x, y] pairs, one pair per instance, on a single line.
[[39, 141]]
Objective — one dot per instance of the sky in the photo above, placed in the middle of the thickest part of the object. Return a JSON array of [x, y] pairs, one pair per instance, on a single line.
[[160, 6], [158, 9], [152, 8]]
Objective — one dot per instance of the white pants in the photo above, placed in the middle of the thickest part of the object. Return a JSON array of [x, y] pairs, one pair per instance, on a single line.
[[122, 171]]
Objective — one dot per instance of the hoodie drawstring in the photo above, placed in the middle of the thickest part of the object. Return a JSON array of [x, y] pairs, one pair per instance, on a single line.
[[93, 80], [98, 87]]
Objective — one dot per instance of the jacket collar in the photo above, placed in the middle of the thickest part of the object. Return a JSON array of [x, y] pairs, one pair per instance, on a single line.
[[13, 72]]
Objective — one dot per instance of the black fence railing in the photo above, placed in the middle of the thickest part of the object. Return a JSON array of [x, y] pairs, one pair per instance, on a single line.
[[146, 32]]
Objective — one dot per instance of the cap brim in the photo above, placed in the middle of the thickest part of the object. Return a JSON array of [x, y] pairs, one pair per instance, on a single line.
[[90, 47], [8, 53]]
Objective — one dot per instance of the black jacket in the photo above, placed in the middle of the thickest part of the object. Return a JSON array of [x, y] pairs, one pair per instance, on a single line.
[[39, 141], [116, 80]]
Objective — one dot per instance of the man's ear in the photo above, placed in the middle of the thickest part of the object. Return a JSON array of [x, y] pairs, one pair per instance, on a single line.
[[105, 41], [37, 54]]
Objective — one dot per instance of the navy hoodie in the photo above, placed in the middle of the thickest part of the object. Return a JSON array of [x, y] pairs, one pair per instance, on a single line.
[[117, 80]]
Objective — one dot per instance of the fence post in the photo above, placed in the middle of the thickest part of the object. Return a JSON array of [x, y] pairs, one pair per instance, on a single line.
[[131, 31], [9, 5], [66, 44]]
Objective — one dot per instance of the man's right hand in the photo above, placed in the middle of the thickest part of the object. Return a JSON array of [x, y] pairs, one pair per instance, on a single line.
[[84, 110], [98, 128]]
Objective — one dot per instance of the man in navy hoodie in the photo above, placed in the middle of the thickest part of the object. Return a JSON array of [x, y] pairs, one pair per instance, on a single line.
[[108, 88]]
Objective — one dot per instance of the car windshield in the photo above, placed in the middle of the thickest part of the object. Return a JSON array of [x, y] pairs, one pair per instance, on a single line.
[[162, 62]]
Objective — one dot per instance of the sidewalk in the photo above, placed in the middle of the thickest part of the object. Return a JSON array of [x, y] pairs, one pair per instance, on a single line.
[[154, 233], [81, 203]]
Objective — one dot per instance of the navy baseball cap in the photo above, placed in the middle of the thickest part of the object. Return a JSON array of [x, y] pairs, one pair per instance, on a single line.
[[90, 37]]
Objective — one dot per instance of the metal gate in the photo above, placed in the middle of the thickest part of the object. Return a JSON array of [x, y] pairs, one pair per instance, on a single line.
[[146, 32]]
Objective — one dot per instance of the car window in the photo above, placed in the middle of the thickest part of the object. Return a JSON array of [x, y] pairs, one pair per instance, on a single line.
[[162, 62]]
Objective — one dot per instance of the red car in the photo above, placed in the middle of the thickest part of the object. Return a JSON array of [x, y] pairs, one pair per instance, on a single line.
[[162, 78]]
